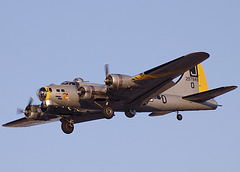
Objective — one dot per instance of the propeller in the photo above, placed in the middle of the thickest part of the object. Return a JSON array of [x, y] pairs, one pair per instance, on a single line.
[[27, 109], [32, 111], [108, 80]]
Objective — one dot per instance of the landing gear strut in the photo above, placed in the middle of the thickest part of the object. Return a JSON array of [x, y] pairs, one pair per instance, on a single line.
[[179, 116], [67, 126]]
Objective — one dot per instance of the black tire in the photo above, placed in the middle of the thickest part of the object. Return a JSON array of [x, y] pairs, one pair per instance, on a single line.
[[67, 127], [179, 117], [107, 112], [130, 113]]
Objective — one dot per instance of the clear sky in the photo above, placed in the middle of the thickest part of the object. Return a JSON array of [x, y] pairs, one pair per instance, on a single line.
[[44, 42]]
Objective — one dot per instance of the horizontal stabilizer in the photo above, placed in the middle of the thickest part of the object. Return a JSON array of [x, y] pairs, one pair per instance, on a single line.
[[207, 95]]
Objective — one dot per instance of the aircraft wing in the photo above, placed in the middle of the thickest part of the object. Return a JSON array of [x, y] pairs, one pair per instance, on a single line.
[[157, 80], [24, 122]]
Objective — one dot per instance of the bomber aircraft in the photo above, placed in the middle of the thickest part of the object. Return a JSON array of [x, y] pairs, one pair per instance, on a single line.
[[154, 91]]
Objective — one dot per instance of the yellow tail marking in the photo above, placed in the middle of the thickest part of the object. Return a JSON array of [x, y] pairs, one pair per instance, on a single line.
[[202, 81], [48, 93]]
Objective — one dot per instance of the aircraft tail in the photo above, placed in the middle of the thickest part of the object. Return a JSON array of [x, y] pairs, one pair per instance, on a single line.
[[193, 86], [191, 82]]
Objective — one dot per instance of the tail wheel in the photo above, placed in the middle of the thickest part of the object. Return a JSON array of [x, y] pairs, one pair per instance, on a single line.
[[107, 112], [67, 127]]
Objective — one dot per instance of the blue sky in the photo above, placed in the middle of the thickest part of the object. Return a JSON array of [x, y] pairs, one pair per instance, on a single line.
[[44, 42]]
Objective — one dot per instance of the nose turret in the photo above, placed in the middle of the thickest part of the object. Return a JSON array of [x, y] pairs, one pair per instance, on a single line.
[[43, 93]]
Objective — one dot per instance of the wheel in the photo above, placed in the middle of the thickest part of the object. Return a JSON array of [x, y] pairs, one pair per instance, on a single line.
[[179, 117], [67, 127], [107, 112], [43, 108], [130, 113]]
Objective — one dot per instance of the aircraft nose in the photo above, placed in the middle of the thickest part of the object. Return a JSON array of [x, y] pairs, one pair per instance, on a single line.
[[42, 94]]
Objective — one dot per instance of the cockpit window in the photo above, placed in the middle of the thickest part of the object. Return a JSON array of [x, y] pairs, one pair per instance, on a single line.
[[58, 90], [65, 83], [50, 89], [62, 90], [68, 83]]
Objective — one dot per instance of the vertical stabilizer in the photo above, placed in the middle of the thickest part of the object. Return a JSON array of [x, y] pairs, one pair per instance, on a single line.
[[202, 81], [191, 82]]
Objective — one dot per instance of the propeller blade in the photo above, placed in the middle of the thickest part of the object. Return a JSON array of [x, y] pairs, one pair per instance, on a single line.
[[20, 111], [30, 101], [106, 65]]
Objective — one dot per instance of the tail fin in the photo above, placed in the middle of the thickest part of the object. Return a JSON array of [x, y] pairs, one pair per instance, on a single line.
[[191, 82], [193, 86]]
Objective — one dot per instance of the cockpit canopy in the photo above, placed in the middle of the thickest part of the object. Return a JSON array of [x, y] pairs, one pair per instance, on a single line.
[[68, 83], [72, 82], [78, 80]]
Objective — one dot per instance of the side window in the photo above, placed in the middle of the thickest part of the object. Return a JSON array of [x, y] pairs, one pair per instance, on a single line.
[[163, 98]]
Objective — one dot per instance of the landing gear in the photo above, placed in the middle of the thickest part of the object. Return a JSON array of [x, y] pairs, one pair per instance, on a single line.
[[179, 116], [130, 113], [107, 112], [67, 126]]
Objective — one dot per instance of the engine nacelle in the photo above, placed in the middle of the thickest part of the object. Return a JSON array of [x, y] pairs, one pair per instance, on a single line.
[[33, 112], [92, 92], [118, 81]]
